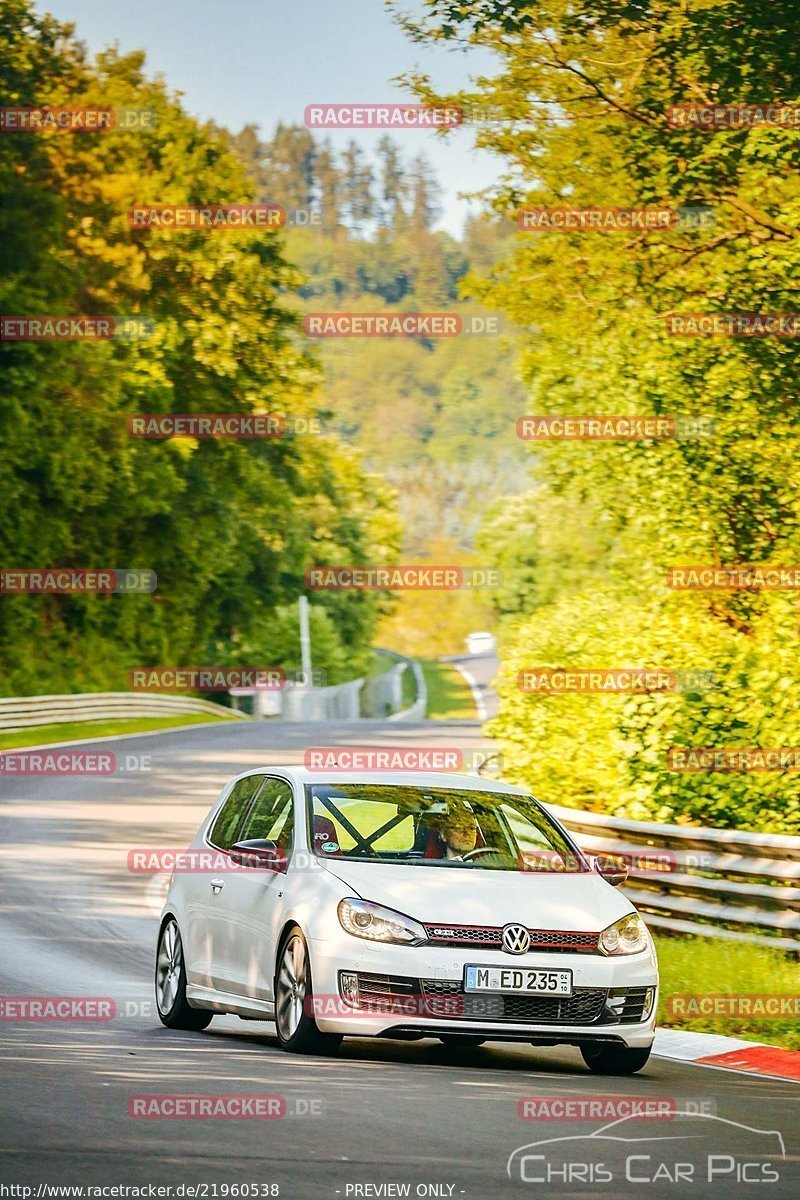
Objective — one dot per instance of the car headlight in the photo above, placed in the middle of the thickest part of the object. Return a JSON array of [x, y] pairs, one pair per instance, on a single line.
[[626, 936], [378, 924]]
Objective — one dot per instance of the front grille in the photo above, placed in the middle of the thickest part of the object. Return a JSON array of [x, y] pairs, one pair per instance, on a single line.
[[379, 987], [583, 1007], [465, 935], [445, 999], [441, 987], [491, 938]]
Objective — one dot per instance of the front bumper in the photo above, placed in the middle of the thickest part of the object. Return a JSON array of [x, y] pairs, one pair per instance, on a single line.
[[409, 991]]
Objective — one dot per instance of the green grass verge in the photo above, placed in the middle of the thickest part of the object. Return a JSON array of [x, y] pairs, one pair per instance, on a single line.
[[74, 730], [378, 664], [449, 695], [710, 966], [409, 683]]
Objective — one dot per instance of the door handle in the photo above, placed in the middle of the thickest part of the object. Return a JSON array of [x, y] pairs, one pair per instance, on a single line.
[[217, 885]]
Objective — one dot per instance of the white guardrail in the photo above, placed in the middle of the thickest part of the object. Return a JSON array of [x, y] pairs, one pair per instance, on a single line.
[[417, 709], [378, 698], [26, 712], [724, 883]]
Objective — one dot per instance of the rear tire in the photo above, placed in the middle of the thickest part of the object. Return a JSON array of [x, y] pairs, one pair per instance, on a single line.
[[615, 1060], [297, 1029], [174, 1010]]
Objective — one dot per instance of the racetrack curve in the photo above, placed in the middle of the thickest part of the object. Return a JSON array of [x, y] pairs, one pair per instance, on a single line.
[[76, 922]]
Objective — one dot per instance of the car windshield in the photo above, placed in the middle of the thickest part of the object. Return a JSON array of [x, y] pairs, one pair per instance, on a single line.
[[437, 827]]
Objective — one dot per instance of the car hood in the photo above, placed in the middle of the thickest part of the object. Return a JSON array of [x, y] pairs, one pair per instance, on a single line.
[[455, 895]]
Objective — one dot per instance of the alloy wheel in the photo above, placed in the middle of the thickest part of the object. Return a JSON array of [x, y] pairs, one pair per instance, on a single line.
[[292, 987], [168, 967]]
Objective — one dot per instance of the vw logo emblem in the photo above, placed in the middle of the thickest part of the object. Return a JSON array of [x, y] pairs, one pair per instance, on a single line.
[[516, 939]]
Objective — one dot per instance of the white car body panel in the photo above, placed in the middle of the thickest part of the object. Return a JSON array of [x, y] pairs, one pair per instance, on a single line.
[[460, 897]]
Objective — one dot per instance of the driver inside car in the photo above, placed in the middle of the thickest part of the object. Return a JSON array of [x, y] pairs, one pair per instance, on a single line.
[[458, 831]]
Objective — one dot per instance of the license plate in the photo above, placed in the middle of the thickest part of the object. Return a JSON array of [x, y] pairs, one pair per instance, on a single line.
[[518, 979]]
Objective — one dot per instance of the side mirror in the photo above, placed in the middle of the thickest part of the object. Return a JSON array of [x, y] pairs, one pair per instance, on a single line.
[[259, 853], [612, 869]]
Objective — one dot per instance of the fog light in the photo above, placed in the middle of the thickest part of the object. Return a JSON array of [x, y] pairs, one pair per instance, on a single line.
[[348, 986], [650, 996]]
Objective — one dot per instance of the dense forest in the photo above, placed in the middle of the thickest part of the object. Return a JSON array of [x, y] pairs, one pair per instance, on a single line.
[[585, 91], [229, 527], [436, 417]]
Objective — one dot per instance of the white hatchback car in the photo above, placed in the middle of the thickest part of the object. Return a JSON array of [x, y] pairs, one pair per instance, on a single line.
[[403, 905], [481, 643]]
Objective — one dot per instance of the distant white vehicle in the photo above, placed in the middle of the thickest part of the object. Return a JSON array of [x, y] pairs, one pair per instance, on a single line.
[[481, 643]]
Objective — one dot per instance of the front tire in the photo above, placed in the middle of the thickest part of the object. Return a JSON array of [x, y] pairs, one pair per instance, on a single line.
[[615, 1060], [297, 1029], [174, 1009]]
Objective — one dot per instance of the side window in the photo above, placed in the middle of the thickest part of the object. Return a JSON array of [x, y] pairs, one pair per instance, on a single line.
[[224, 831], [272, 815]]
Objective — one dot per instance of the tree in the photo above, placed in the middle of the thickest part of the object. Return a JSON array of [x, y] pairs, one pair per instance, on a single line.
[[425, 194], [357, 182], [393, 184]]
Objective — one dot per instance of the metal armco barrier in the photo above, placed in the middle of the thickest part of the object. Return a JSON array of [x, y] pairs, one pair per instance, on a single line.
[[339, 702], [377, 698], [26, 712], [417, 710], [723, 883]]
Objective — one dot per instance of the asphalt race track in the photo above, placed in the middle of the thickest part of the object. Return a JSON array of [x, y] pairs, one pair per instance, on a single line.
[[76, 922]]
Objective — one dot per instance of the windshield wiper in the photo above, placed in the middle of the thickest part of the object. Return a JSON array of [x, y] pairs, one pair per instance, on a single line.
[[439, 862]]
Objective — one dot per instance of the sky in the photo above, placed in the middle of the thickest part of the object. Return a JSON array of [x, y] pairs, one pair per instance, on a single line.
[[263, 61]]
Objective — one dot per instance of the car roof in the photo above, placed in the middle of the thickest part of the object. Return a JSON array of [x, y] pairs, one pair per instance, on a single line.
[[429, 779]]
